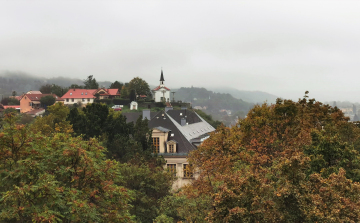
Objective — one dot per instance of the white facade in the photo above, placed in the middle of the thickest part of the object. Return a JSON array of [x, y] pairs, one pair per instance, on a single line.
[[133, 105], [84, 101], [161, 93]]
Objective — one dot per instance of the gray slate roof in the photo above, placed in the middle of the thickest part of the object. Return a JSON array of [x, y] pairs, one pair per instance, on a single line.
[[133, 116], [196, 129]]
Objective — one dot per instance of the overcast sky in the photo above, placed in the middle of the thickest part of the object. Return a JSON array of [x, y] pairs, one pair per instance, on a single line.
[[280, 47]]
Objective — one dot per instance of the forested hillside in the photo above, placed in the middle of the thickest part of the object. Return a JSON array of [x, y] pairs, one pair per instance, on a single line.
[[214, 103], [257, 97], [22, 82]]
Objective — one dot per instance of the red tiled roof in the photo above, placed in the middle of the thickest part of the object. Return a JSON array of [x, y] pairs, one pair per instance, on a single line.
[[113, 91], [158, 87], [12, 106], [80, 93], [37, 97]]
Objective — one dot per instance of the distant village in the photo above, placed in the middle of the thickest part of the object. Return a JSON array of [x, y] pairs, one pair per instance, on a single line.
[[176, 129]]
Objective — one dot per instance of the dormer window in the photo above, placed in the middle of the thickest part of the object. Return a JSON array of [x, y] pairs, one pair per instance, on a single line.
[[85, 93], [171, 146], [82, 93], [70, 93]]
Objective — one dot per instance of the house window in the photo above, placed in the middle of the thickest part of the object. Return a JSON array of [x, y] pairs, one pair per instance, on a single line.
[[67, 100], [171, 148], [70, 93], [83, 99], [187, 172], [72, 100], [172, 169], [88, 99], [156, 144]]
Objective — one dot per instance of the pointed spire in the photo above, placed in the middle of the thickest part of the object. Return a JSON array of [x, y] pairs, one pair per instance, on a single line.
[[162, 76]]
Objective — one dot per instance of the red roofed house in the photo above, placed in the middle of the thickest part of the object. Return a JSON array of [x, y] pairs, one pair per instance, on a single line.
[[30, 102], [161, 93], [87, 96], [108, 93]]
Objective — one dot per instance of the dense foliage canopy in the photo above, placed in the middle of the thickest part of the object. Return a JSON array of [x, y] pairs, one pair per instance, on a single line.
[[286, 162], [50, 172]]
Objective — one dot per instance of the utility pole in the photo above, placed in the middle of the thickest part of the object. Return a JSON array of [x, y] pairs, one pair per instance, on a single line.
[[173, 97]]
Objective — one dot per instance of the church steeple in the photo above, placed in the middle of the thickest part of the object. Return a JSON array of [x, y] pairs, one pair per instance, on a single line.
[[162, 78]]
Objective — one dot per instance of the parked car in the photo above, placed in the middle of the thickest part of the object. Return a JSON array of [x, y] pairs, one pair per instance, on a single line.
[[115, 106], [117, 109]]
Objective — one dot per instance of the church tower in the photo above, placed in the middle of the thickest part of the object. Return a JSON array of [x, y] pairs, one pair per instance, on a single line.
[[161, 93], [162, 78]]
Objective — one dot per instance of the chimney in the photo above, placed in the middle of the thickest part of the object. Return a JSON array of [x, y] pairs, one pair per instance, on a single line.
[[146, 114], [183, 121], [168, 109]]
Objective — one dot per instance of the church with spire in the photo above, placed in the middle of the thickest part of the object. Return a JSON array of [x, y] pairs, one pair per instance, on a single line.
[[161, 93]]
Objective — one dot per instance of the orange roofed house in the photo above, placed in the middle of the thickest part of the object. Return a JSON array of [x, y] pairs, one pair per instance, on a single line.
[[87, 96], [31, 102]]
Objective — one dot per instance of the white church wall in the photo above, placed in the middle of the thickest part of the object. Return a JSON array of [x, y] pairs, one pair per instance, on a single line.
[[159, 94]]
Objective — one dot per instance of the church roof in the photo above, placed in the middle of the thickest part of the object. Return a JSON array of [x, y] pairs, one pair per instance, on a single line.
[[162, 76], [158, 87]]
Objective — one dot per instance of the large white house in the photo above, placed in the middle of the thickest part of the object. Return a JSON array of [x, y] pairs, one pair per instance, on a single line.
[[161, 93], [87, 96]]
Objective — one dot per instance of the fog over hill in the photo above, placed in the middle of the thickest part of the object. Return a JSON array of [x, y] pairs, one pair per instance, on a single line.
[[257, 97], [22, 82]]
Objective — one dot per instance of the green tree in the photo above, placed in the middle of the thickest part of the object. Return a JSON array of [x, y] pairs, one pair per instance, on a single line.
[[10, 101], [53, 89], [10, 110], [46, 89], [118, 85], [47, 100], [140, 86], [76, 86], [132, 95], [58, 179], [13, 93], [58, 90], [124, 93], [90, 83]]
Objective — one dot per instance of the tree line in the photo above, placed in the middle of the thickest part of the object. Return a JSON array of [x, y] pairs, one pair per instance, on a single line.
[[286, 162]]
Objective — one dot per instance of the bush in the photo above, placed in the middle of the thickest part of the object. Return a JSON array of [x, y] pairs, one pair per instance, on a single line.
[[160, 104], [120, 101]]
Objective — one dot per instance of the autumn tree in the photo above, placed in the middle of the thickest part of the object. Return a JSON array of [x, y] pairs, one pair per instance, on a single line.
[[140, 86], [286, 162], [58, 179]]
